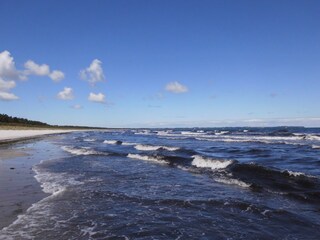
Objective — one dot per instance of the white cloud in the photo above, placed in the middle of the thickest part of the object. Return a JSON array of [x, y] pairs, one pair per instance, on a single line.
[[8, 96], [6, 85], [8, 75], [8, 69], [56, 75], [99, 97], [33, 68], [77, 106], [176, 87], [66, 94], [94, 73]]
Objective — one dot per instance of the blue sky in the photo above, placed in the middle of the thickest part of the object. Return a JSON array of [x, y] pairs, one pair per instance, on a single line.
[[161, 63]]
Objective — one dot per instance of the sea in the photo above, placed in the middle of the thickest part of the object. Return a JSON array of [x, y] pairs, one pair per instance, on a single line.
[[194, 183]]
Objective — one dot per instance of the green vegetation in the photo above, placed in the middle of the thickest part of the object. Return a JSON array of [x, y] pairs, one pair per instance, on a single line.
[[8, 122]]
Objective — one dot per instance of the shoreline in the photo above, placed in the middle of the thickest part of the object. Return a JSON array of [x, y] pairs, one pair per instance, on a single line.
[[12, 136], [20, 151]]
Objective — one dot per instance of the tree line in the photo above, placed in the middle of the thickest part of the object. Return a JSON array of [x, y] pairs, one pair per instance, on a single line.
[[15, 121], [4, 118]]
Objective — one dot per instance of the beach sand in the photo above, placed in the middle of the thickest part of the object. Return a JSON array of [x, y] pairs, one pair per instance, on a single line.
[[18, 187], [14, 135]]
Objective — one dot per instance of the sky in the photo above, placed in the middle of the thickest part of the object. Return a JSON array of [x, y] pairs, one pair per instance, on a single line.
[[161, 63]]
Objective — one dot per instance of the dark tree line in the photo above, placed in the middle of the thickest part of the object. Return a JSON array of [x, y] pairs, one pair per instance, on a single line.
[[14, 121], [4, 118]]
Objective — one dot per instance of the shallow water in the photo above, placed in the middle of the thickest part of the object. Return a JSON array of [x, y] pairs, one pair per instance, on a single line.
[[257, 183]]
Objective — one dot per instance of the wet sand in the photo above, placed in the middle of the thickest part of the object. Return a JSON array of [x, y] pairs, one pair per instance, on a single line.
[[18, 187]]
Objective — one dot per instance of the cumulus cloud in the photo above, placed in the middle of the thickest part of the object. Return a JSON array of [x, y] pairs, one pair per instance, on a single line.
[[56, 75], [93, 73], [6, 85], [66, 94], [99, 97], [8, 69], [176, 87], [33, 68], [8, 96], [8, 75]]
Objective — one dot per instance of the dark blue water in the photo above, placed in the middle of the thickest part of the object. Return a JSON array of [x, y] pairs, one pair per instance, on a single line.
[[236, 183]]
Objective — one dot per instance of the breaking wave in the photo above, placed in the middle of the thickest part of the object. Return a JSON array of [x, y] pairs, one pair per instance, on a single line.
[[147, 158], [82, 151], [214, 164], [142, 147], [113, 142]]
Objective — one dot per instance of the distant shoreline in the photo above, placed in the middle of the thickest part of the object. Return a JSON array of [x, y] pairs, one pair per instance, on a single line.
[[10, 135]]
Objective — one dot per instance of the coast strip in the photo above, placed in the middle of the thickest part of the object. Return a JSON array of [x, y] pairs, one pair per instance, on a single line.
[[7, 136], [18, 187]]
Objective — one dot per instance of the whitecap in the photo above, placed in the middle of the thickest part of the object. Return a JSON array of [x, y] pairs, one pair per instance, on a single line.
[[89, 140], [214, 164], [142, 147], [111, 142], [232, 181], [145, 158], [313, 137], [128, 143], [221, 133], [81, 151], [295, 174]]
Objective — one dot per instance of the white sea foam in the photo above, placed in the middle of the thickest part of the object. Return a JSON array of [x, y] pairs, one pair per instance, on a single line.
[[163, 133], [295, 174], [145, 158], [142, 147], [81, 151], [128, 144], [261, 139], [313, 137], [110, 142], [188, 133], [89, 230], [27, 225], [265, 212], [221, 133], [143, 132], [89, 140], [316, 146], [214, 164], [232, 181], [54, 183], [146, 147]]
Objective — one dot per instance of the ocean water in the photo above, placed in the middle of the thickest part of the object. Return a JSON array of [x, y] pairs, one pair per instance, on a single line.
[[232, 183]]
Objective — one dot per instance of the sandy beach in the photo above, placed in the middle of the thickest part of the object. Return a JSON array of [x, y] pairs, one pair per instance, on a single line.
[[13, 135]]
